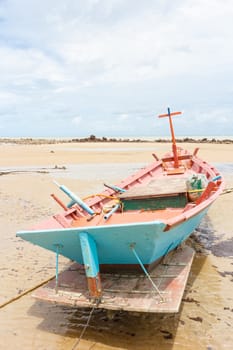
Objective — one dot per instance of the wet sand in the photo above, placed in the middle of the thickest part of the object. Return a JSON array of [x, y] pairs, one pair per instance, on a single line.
[[206, 316]]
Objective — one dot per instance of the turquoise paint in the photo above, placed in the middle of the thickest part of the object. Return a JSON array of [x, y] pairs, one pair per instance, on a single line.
[[113, 242], [58, 246], [71, 203], [89, 253], [75, 199], [116, 188]]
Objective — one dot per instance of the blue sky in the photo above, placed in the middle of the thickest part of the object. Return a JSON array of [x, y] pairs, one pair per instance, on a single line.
[[109, 67]]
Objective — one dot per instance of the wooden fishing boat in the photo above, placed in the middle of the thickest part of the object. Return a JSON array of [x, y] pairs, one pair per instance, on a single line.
[[132, 225]]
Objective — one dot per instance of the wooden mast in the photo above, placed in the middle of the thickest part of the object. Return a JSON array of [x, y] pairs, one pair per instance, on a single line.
[[174, 148]]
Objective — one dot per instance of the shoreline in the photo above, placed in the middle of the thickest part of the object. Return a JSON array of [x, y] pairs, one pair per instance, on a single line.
[[93, 138]]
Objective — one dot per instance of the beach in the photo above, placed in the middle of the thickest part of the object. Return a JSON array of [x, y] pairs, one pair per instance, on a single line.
[[27, 172]]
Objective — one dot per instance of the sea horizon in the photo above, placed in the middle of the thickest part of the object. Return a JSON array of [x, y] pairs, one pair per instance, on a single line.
[[120, 137]]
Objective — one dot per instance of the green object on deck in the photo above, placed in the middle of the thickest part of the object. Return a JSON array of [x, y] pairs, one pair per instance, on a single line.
[[195, 184], [176, 201]]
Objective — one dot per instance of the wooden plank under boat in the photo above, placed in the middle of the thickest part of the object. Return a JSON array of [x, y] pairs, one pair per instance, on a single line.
[[128, 292], [131, 226]]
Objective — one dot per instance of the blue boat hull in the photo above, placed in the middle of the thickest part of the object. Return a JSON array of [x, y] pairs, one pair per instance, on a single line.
[[114, 243]]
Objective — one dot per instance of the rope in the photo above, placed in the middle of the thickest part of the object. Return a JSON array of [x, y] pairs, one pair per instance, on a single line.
[[39, 285], [227, 190], [147, 274], [100, 195], [75, 346], [197, 190], [25, 293], [105, 209]]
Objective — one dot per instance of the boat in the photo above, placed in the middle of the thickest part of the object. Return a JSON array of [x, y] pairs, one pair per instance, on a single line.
[[132, 225]]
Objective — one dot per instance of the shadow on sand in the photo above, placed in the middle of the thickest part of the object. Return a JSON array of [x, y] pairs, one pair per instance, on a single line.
[[118, 329]]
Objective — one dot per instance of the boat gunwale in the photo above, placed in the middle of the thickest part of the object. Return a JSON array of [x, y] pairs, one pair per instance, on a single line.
[[206, 168]]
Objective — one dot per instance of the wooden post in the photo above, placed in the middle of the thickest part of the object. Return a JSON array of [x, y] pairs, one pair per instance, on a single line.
[[174, 148]]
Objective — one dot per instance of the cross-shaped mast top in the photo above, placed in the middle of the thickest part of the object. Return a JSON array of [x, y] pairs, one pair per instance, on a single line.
[[174, 148]]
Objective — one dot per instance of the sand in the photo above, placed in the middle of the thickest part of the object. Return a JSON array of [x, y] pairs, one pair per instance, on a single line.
[[206, 315], [72, 153]]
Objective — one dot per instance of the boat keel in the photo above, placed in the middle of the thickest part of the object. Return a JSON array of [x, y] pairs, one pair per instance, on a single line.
[[91, 265]]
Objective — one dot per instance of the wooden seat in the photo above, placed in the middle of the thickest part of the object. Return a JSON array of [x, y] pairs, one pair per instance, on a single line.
[[159, 187]]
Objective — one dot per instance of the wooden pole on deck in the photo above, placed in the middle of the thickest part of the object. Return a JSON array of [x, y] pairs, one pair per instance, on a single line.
[[174, 148]]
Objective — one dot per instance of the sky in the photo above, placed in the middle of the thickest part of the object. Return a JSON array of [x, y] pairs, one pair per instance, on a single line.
[[76, 68]]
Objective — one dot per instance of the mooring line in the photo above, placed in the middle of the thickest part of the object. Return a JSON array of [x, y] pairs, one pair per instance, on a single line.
[[75, 346], [147, 274], [226, 191], [25, 293]]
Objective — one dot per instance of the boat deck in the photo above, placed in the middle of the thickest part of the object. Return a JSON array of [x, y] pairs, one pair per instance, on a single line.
[[132, 216], [126, 291]]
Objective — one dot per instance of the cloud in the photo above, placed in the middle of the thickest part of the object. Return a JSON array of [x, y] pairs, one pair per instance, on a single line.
[[77, 120], [123, 117], [114, 61]]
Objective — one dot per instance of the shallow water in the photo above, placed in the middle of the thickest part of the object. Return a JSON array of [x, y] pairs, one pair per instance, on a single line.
[[224, 168], [206, 316]]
